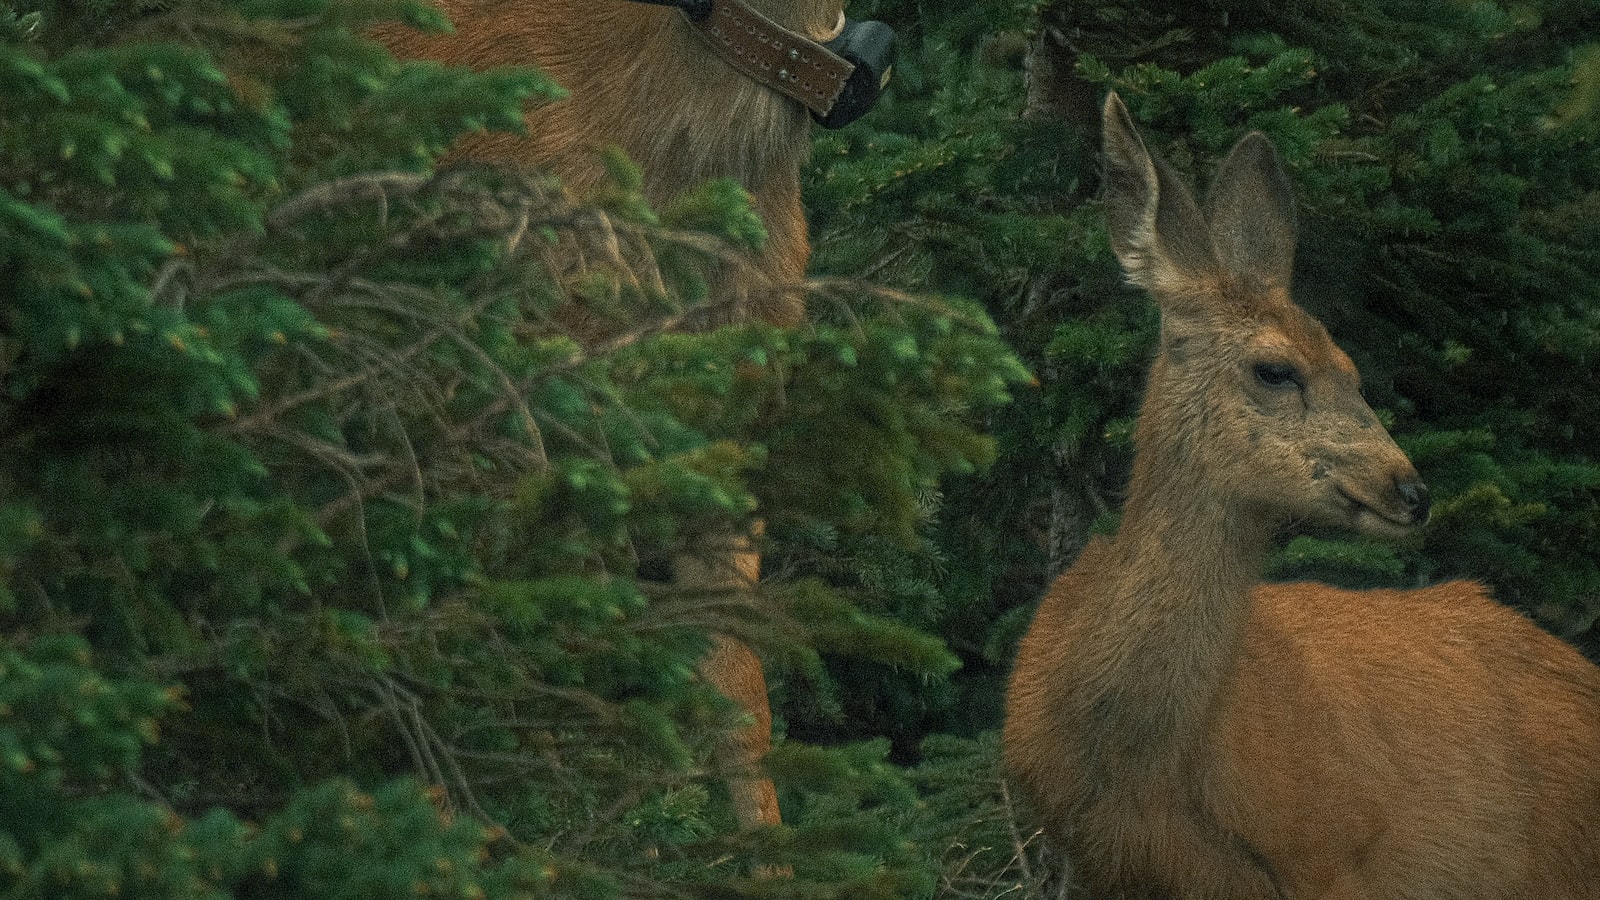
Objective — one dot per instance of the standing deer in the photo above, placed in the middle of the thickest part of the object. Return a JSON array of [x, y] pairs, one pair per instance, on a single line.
[[1189, 732], [710, 89]]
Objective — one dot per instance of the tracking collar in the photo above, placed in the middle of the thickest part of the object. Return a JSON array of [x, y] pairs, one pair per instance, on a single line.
[[839, 79]]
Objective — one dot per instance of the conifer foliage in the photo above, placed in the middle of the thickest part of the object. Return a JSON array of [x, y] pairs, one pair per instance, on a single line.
[[328, 526]]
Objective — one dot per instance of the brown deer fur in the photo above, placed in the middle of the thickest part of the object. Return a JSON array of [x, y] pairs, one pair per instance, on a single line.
[[1188, 732], [641, 80]]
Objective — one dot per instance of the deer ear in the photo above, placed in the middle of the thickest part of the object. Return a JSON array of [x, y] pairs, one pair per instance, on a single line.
[[1251, 210], [1156, 227]]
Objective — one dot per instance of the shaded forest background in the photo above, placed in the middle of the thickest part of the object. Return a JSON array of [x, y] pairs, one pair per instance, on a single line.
[[329, 550]]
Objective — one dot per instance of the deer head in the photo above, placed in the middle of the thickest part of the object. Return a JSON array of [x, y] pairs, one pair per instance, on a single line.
[[1248, 396]]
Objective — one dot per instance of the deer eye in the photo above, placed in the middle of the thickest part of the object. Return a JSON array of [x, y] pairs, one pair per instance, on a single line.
[[1277, 375]]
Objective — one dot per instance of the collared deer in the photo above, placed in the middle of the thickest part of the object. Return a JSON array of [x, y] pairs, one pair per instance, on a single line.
[[1188, 732], [643, 78]]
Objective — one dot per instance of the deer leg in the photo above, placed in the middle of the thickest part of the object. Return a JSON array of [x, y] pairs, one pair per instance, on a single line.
[[735, 670]]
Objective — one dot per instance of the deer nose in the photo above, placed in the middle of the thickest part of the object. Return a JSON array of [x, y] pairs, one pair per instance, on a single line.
[[1414, 494]]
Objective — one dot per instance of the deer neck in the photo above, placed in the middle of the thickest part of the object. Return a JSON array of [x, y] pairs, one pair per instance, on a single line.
[[640, 78], [1165, 615]]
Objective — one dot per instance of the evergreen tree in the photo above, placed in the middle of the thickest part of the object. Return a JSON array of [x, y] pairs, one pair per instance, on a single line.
[[327, 530]]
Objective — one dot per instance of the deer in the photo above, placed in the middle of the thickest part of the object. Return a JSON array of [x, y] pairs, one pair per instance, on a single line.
[[1185, 730], [690, 90]]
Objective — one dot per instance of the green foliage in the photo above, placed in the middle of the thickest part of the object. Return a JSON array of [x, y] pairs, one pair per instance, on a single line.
[[982, 843], [335, 485]]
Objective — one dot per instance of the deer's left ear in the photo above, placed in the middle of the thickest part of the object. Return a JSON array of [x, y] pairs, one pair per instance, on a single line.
[[1250, 212]]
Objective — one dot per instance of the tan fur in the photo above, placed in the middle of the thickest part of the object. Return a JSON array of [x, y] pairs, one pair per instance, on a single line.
[[1188, 732], [641, 80], [736, 671]]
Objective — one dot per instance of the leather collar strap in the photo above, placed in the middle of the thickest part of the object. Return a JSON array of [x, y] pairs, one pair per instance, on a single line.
[[789, 63]]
